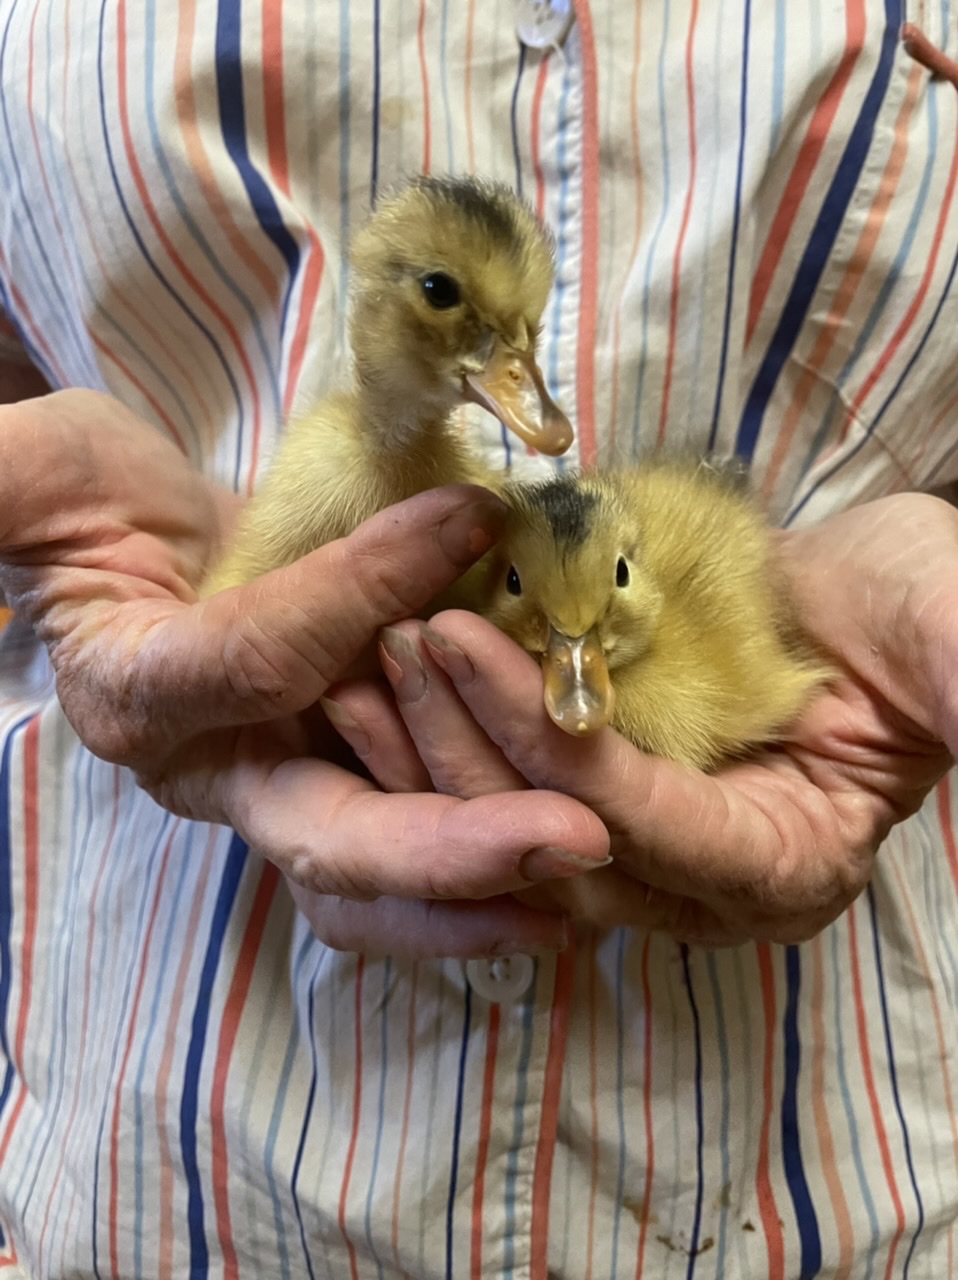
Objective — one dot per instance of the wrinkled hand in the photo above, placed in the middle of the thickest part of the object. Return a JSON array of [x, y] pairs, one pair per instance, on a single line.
[[773, 848], [105, 532]]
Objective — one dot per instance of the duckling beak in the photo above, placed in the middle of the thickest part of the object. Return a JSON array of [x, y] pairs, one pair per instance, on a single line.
[[511, 387], [578, 692]]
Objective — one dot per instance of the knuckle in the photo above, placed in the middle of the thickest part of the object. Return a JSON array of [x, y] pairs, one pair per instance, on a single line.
[[256, 668], [389, 587]]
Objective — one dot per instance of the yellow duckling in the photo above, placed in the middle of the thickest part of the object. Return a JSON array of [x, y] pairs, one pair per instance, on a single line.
[[450, 279], [651, 598]]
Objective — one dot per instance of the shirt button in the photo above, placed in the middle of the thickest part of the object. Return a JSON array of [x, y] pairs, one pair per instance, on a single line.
[[505, 978], [544, 24]]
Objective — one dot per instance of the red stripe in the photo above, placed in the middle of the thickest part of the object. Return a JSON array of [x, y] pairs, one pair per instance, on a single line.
[[536, 140], [767, 1207], [485, 1131], [589, 272], [808, 156], [683, 229], [406, 1110], [647, 1106], [132, 1029], [232, 1016], [357, 1110], [880, 1132], [148, 207], [549, 1122], [274, 107], [594, 1173]]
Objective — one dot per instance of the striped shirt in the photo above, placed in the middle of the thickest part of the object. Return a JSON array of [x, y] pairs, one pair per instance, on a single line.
[[755, 212]]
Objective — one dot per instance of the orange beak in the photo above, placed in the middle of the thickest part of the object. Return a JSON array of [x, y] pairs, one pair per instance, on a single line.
[[579, 695], [511, 388]]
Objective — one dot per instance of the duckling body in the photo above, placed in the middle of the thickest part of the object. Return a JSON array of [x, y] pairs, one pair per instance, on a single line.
[[450, 280], [651, 597]]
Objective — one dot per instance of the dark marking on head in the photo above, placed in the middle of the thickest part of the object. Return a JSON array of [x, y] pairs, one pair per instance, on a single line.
[[567, 506], [491, 207]]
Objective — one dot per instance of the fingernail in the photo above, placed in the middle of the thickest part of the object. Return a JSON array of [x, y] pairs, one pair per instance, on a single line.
[[346, 726], [449, 656], [513, 947], [469, 532], [402, 665], [551, 863]]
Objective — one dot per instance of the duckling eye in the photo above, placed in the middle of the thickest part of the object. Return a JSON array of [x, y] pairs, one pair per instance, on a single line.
[[513, 585], [622, 572], [440, 290]]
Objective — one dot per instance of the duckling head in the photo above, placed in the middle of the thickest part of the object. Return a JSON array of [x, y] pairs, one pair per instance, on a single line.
[[451, 277], [567, 583]]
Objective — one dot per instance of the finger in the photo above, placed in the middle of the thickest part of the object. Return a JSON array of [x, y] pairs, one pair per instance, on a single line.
[[335, 833], [429, 929], [364, 713], [461, 758], [273, 647], [727, 841]]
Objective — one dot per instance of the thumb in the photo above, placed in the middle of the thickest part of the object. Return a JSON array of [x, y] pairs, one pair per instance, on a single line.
[[272, 647]]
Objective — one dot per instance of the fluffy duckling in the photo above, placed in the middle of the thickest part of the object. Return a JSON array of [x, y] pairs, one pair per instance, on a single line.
[[450, 279], [650, 596]]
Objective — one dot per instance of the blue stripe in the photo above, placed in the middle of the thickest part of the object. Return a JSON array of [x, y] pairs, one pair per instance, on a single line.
[[6, 912], [233, 867], [778, 77], [699, 1117], [517, 1139], [566, 174], [893, 1078], [444, 66], [513, 117], [736, 218], [304, 1127], [457, 1130], [811, 1244], [377, 91], [345, 108], [226, 277], [725, 1074], [838, 1030], [134, 231], [818, 250]]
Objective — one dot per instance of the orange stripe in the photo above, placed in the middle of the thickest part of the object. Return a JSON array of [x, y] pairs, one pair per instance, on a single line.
[[169, 1164], [589, 274], [132, 1029], [833, 325], [164, 239], [229, 1027], [683, 229], [315, 264], [485, 1131], [406, 1111], [424, 72], [767, 1207], [357, 1110], [839, 1201], [638, 188], [647, 1105], [808, 156], [549, 1121], [872, 1092]]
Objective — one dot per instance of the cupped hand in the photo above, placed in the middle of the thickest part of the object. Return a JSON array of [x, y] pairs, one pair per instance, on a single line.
[[772, 848], [105, 533]]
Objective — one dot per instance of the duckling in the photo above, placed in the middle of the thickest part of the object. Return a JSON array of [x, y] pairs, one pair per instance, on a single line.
[[451, 276], [650, 596]]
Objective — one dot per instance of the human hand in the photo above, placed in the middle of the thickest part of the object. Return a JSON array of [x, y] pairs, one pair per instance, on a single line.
[[771, 848], [105, 531]]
